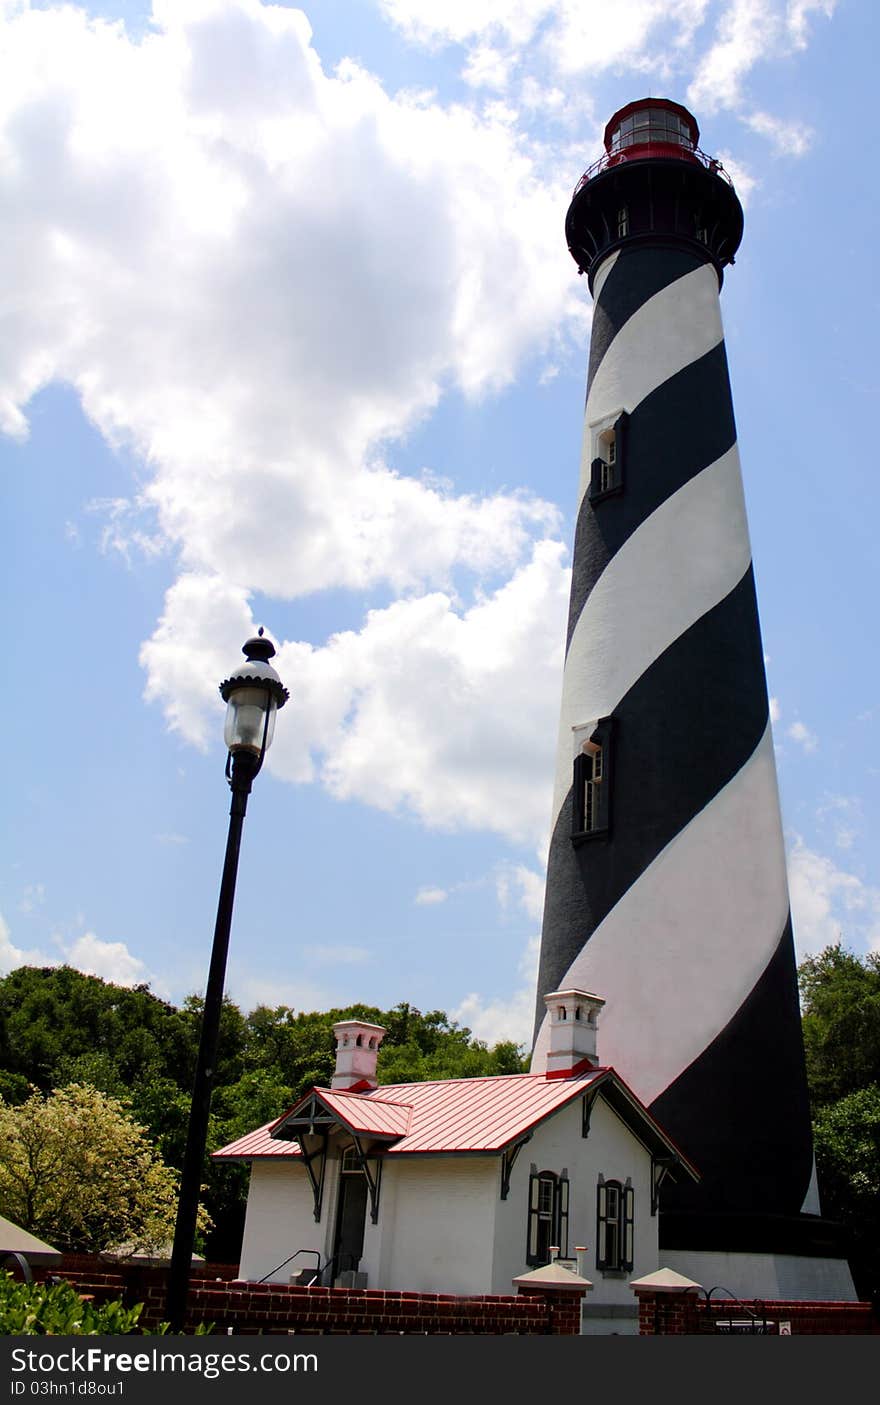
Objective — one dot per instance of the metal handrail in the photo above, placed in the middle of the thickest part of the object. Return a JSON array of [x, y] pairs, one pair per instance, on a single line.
[[618, 157], [738, 1302], [290, 1259]]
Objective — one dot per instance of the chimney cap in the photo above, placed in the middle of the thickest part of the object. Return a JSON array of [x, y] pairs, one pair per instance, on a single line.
[[572, 994], [359, 1024]]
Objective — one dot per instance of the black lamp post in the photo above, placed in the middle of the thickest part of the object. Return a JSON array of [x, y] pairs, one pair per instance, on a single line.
[[252, 696]]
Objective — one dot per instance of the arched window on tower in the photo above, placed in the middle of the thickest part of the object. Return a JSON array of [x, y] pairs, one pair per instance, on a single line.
[[609, 448], [591, 784]]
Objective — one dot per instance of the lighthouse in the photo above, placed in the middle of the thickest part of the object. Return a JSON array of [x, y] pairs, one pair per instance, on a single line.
[[666, 885]]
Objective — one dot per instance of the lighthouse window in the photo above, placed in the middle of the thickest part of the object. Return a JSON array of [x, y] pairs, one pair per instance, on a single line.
[[590, 785], [623, 222], [606, 469]]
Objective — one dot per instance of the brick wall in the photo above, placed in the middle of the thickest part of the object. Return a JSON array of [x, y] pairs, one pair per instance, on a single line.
[[688, 1314], [274, 1308]]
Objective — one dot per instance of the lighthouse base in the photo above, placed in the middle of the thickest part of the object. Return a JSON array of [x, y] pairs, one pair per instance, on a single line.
[[798, 1258]]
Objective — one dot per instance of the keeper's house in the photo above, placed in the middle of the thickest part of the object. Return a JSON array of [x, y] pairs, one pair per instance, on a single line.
[[463, 1185]]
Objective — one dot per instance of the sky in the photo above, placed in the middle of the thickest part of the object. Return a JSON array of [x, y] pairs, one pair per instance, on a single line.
[[291, 337]]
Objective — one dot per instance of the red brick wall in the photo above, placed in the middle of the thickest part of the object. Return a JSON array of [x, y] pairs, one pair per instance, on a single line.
[[267, 1308], [688, 1314]]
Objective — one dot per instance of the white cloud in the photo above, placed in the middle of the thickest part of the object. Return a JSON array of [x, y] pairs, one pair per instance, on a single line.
[[487, 68], [748, 31], [775, 712], [460, 21], [112, 961], [516, 882], [194, 252], [258, 275], [12, 956], [803, 736], [788, 138], [797, 15], [429, 897], [363, 717], [829, 904], [706, 44], [493, 1020]]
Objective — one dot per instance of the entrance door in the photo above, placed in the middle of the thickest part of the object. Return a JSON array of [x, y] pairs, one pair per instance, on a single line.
[[351, 1214]]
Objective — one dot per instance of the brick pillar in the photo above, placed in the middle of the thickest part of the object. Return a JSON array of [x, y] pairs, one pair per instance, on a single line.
[[563, 1307], [665, 1314]]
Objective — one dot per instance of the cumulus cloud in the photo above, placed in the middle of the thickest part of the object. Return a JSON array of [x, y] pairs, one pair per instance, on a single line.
[[112, 961], [255, 273], [448, 713], [829, 904]]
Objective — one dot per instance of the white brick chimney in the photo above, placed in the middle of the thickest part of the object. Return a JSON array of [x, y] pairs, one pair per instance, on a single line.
[[573, 1015], [357, 1049]]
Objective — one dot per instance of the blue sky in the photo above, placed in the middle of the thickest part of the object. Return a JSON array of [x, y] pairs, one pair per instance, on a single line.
[[291, 337]]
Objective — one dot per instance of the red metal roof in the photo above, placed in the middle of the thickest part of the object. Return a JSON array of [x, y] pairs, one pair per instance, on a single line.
[[369, 1113], [454, 1114]]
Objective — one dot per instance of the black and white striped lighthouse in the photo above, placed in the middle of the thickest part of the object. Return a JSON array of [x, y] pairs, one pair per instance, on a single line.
[[666, 885]]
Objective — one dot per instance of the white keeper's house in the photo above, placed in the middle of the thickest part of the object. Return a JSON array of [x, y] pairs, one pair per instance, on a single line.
[[463, 1185]]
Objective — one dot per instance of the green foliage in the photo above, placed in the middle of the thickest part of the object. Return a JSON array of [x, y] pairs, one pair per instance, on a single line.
[[847, 1142], [57, 1310], [58, 1026], [77, 1171], [840, 999]]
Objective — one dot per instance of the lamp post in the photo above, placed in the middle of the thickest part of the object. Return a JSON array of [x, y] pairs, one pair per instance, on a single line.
[[252, 696]]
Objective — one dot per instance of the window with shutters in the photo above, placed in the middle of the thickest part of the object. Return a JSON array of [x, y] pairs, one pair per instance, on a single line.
[[615, 1205], [609, 457], [591, 781], [548, 1216]]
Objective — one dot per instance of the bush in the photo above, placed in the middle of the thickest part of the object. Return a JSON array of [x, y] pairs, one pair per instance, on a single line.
[[57, 1310]]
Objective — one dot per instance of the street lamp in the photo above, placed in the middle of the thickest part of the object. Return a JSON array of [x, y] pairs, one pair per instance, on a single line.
[[253, 695]]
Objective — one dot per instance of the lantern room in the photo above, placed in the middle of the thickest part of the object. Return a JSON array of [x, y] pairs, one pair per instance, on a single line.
[[653, 185], [651, 127]]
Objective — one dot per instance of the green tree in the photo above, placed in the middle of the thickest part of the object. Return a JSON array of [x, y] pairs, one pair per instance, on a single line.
[[840, 1001], [59, 1026], [77, 1171], [847, 1141]]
